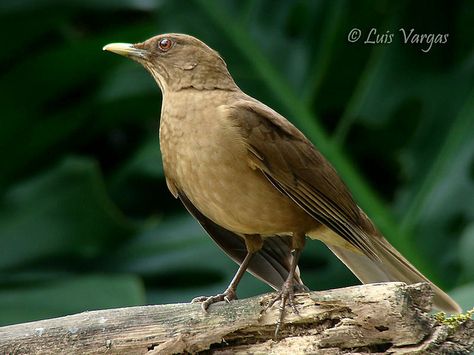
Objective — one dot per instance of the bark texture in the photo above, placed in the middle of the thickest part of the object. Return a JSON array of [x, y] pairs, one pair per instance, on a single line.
[[390, 318]]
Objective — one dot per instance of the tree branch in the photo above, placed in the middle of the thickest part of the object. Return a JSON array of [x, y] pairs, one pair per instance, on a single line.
[[375, 318]]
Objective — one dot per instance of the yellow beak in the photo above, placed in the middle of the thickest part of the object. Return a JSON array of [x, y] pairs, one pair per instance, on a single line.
[[126, 49]]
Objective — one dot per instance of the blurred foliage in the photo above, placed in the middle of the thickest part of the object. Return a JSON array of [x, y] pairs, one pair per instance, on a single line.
[[86, 221]]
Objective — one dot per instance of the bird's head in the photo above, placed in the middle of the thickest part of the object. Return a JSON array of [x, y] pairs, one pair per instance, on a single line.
[[178, 61]]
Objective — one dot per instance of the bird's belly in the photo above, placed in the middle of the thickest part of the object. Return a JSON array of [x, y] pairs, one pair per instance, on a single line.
[[242, 200], [215, 175]]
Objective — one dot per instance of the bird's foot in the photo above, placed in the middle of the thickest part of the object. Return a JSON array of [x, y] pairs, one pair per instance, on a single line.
[[206, 301], [286, 296]]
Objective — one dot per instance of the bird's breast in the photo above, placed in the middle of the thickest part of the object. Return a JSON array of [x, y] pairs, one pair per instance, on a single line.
[[205, 155]]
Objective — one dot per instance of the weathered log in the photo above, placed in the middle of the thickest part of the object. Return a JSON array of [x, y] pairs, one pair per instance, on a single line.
[[375, 318]]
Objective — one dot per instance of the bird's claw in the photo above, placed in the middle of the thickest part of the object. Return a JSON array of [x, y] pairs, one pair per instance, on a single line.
[[286, 296], [199, 299], [228, 296]]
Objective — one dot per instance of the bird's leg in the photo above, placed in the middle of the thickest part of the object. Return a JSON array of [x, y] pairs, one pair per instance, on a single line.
[[287, 293], [230, 293], [253, 243]]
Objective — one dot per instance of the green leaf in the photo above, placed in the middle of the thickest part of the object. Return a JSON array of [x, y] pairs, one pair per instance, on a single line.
[[146, 161], [466, 252], [457, 137], [445, 203], [53, 93], [464, 295], [175, 244], [65, 210], [68, 296], [117, 82], [13, 7]]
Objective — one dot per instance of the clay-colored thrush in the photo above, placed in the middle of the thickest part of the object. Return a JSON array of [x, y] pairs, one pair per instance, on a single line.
[[256, 184]]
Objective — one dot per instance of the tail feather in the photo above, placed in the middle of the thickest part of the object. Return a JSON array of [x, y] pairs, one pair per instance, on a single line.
[[390, 266]]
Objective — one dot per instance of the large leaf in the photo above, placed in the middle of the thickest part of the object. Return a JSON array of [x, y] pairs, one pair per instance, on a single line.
[[65, 211], [464, 295], [68, 296]]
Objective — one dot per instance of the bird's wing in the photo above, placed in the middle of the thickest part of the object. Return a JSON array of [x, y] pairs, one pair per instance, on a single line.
[[271, 264], [292, 164], [296, 168]]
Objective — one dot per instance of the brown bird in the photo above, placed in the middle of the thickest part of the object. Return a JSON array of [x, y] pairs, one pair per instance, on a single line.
[[256, 184]]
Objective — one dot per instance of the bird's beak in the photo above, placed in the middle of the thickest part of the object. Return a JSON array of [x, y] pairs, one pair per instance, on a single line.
[[126, 49]]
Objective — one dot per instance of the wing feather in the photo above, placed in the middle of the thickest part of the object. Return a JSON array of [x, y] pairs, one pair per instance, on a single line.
[[295, 167]]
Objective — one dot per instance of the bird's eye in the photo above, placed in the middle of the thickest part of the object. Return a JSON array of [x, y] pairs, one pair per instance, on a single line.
[[165, 44]]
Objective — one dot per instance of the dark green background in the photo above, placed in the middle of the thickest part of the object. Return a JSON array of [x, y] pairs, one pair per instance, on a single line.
[[86, 221]]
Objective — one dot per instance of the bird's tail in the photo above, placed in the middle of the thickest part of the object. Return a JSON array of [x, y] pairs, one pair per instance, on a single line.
[[390, 266]]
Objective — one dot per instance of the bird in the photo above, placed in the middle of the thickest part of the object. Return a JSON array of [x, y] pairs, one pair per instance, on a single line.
[[254, 182]]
